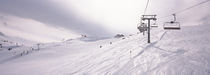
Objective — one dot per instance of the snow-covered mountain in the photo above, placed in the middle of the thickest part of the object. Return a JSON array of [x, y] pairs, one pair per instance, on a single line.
[[174, 52], [33, 30]]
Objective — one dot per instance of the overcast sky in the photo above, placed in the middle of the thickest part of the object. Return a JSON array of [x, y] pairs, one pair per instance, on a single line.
[[102, 17]]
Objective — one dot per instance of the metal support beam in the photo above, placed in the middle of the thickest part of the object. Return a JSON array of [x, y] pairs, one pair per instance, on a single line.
[[148, 18], [148, 30]]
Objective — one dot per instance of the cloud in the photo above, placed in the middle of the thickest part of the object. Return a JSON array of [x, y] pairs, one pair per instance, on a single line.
[[32, 30], [50, 13], [110, 15]]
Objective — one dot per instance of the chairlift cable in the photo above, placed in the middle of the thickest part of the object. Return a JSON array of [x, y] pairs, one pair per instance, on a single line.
[[186, 9], [192, 6], [144, 11], [146, 7]]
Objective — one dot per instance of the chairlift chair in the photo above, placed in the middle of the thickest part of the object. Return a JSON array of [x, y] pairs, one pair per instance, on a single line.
[[143, 27], [173, 25], [154, 25]]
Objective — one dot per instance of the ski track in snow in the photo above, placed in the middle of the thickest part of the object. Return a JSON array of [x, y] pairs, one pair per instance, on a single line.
[[184, 52]]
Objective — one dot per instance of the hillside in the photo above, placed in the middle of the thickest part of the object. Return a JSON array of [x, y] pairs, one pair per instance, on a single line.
[[184, 52]]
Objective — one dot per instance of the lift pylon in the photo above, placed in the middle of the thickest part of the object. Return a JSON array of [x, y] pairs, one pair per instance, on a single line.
[[143, 28]]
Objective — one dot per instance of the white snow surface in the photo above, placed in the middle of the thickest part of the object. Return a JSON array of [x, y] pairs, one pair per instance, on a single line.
[[174, 52]]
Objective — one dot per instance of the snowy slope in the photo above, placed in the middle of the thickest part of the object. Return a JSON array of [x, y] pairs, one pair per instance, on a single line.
[[12, 47], [33, 30], [184, 52]]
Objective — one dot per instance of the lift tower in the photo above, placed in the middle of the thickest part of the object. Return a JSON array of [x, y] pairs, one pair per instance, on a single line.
[[148, 18]]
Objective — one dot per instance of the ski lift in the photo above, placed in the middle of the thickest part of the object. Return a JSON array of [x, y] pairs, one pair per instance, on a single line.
[[154, 25], [173, 25], [143, 27]]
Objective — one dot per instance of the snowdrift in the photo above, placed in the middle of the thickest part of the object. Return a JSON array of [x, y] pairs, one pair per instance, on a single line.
[[184, 52]]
